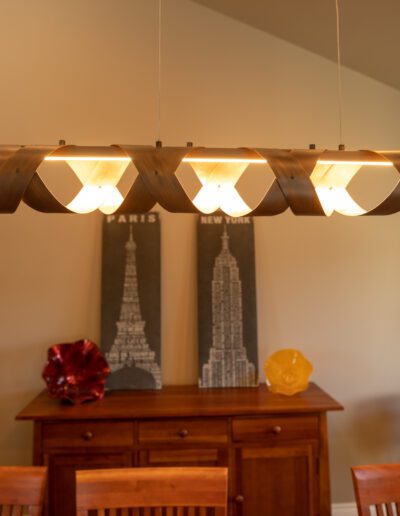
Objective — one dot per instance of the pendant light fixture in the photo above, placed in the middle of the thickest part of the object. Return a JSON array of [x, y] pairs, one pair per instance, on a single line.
[[99, 169], [334, 171], [309, 182]]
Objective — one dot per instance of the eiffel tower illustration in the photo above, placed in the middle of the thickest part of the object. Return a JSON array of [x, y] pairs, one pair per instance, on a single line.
[[228, 365], [130, 347]]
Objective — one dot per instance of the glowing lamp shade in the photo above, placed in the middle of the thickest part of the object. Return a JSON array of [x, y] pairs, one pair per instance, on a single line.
[[218, 172], [332, 175], [99, 170]]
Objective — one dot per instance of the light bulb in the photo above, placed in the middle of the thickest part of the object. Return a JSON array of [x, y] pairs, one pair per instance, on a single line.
[[331, 179], [208, 199], [224, 160], [86, 158], [351, 162], [105, 198], [232, 203]]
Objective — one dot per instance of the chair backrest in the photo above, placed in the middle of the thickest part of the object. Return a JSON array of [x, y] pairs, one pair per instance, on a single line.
[[377, 486], [21, 488], [152, 492]]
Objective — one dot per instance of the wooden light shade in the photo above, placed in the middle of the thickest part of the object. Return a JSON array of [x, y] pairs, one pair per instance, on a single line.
[[98, 168], [333, 173], [218, 171], [309, 182]]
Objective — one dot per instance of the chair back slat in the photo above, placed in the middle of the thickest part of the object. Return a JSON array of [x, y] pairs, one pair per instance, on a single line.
[[21, 487], [389, 510], [153, 511], [384, 509], [35, 511], [377, 486], [165, 491]]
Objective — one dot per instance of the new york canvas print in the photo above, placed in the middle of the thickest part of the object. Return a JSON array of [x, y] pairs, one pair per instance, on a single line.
[[227, 302]]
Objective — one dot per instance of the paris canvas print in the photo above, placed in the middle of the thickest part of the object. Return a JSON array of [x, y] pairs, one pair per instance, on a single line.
[[228, 355], [131, 300]]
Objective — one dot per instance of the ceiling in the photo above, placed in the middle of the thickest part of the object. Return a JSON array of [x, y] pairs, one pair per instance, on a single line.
[[370, 35]]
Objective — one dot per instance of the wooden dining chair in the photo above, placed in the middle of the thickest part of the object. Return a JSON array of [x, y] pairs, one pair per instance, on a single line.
[[377, 486], [22, 488], [152, 492]]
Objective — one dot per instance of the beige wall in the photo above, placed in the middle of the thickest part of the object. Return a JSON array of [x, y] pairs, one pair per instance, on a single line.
[[85, 71]]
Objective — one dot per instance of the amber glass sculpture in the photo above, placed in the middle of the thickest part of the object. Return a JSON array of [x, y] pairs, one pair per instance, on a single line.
[[76, 371], [287, 372]]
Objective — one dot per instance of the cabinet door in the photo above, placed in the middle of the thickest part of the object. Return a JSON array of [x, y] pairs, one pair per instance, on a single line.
[[159, 457], [276, 481], [62, 467]]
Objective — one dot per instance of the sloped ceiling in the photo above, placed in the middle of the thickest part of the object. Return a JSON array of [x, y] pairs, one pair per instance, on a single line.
[[370, 29]]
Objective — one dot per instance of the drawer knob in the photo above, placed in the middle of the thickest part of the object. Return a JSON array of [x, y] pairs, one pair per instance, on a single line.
[[239, 499], [276, 429], [183, 433], [87, 436]]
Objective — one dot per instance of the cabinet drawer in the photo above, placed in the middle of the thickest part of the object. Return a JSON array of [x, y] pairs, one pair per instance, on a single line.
[[68, 435], [275, 428], [183, 431], [180, 457]]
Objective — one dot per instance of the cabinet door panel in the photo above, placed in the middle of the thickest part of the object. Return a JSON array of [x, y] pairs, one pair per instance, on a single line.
[[272, 481], [62, 469]]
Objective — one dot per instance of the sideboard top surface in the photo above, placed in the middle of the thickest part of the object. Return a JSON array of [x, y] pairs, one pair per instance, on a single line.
[[181, 401]]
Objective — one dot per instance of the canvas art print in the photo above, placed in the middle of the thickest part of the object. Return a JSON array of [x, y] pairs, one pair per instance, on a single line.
[[131, 300], [228, 354]]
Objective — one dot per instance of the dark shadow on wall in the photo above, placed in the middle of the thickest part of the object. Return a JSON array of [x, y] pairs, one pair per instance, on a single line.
[[376, 429], [366, 432]]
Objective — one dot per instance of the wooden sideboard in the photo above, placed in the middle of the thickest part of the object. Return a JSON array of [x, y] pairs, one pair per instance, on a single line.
[[276, 447]]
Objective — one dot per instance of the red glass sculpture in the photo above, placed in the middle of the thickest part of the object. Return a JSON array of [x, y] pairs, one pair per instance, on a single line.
[[76, 371]]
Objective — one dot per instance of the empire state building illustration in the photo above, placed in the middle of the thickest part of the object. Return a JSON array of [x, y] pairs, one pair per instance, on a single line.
[[130, 353], [228, 365]]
